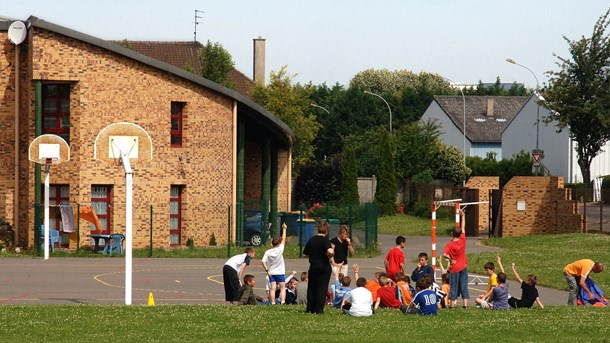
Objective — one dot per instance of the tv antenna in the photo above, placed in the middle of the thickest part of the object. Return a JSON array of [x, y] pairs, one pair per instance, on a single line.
[[197, 23]]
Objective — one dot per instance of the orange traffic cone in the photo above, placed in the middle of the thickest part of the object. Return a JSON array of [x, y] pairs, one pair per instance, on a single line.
[[151, 299]]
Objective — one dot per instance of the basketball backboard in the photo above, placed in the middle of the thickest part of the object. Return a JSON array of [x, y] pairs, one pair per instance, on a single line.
[[49, 148], [122, 138]]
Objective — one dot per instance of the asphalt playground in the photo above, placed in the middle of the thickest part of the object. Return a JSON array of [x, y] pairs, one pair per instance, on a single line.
[[181, 280]]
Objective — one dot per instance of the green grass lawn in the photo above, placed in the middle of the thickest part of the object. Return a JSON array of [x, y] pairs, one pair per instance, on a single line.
[[230, 323], [546, 255], [407, 225]]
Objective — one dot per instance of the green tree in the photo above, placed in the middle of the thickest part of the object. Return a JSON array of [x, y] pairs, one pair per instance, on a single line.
[[449, 164], [291, 104], [349, 178], [385, 193], [579, 94], [216, 63], [416, 147]]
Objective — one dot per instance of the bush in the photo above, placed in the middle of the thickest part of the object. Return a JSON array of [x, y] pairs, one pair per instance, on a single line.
[[423, 209], [339, 212]]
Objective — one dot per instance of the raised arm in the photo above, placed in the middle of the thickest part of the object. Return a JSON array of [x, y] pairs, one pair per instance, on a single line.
[[356, 270], [337, 270], [284, 227], [440, 263], [499, 260], [515, 272]]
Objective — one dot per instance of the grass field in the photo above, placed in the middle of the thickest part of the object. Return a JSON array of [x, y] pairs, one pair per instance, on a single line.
[[408, 225], [546, 255], [230, 323]]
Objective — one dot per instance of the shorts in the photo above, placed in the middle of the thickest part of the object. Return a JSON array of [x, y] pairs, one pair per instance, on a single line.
[[277, 278], [459, 284]]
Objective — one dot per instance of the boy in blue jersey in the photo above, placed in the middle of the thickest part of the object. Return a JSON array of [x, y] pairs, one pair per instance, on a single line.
[[342, 287], [425, 302]]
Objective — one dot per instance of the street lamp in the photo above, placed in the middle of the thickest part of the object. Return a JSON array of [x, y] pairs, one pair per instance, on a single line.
[[510, 60], [318, 106], [464, 119], [389, 109]]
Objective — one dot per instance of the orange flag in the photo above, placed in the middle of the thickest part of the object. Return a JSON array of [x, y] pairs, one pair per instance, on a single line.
[[87, 213]]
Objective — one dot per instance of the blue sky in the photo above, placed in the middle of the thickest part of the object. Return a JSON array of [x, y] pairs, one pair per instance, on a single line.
[[330, 41]]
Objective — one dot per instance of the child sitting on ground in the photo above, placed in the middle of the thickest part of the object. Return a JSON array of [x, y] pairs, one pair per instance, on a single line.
[[426, 301], [493, 282], [246, 292], [498, 294], [386, 295], [529, 293], [445, 286], [358, 302], [404, 284], [342, 287], [373, 285]]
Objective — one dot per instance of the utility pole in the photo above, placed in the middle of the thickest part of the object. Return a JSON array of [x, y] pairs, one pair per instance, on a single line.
[[197, 23]]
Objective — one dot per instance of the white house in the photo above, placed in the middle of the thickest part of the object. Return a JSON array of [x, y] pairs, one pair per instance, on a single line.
[[506, 125], [486, 117]]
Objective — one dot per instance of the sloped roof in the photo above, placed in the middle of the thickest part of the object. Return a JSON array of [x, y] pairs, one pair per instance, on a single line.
[[245, 104], [182, 54], [479, 127]]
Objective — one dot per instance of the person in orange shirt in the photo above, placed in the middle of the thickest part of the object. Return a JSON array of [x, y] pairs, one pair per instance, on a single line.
[[576, 273], [373, 285]]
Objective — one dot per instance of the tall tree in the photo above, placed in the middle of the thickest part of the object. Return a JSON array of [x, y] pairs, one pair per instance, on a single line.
[[385, 193], [291, 104], [579, 94], [349, 178], [216, 63]]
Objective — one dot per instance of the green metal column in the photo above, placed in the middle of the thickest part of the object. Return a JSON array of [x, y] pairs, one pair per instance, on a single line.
[[239, 210], [265, 175], [273, 218], [37, 170]]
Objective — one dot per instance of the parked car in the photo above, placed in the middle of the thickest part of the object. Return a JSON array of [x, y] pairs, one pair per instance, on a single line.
[[253, 225]]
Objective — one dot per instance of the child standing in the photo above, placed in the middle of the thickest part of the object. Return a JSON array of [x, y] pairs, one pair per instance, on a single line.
[[455, 252], [395, 259], [273, 262]]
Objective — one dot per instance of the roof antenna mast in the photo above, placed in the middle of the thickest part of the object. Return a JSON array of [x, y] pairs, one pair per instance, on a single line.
[[197, 23]]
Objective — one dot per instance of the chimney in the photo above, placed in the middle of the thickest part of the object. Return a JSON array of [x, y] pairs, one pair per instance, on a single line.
[[259, 60], [490, 107]]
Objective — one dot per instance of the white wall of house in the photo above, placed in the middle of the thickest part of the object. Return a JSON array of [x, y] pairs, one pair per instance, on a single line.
[[450, 133], [482, 149], [559, 150]]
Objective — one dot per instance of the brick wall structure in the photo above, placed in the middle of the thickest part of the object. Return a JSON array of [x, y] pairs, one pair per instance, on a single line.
[[484, 184], [108, 87], [545, 204]]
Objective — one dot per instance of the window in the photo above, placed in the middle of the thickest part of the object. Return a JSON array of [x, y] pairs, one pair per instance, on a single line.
[[176, 123], [58, 194], [101, 204], [175, 215], [56, 110]]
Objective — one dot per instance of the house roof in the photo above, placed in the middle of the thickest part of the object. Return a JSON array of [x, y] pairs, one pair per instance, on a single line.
[[182, 54], [481, 128], [245, 104]]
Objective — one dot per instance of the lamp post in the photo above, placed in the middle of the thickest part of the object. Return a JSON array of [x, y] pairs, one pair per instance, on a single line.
[[511, 61], [463, 121], [318, 106], [389, 109]]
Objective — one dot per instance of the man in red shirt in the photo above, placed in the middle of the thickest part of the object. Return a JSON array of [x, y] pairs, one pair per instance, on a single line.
[[455, 251], [386, 295], [395, 259]]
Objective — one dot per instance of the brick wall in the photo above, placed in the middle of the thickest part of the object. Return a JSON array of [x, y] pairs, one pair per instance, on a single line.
[[105, 88], [484, 184], [548, 208]]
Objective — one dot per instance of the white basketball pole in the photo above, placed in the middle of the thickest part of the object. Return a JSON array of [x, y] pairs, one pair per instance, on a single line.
[[47, 166], [128, 224]]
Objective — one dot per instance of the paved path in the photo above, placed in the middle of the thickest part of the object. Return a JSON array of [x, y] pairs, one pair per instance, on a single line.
[[172, 280]]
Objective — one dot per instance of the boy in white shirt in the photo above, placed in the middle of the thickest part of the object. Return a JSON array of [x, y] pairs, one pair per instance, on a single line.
[[273, 262], [358, 302]]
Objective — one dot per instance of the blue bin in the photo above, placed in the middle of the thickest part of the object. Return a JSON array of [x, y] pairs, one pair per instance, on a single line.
[[308, 227], [291, 220]]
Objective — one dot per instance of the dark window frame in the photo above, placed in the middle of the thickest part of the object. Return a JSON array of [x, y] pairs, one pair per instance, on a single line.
[[177, 115], [62, 92]]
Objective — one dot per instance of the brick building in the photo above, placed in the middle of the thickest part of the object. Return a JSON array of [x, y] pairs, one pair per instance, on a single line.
[[213, 148]]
